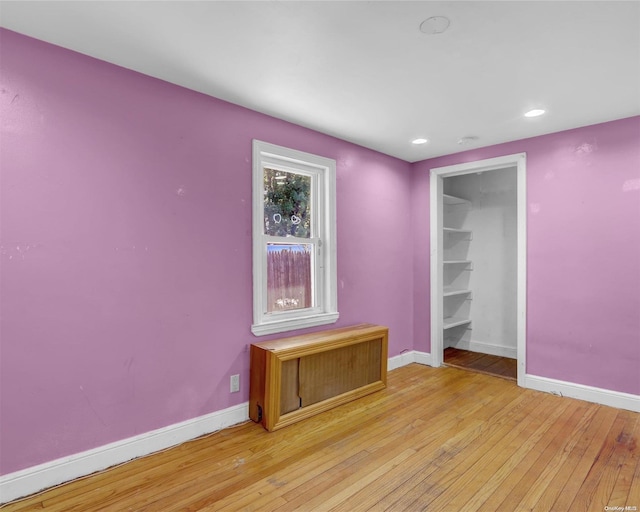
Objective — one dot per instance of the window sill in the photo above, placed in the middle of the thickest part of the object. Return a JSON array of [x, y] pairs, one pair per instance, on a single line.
[[293, 324]]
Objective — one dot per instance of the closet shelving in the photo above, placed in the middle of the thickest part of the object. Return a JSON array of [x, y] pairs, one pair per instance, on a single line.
[[447, 199], [456, 292], [450, 291], [453, 321], [457, 231]]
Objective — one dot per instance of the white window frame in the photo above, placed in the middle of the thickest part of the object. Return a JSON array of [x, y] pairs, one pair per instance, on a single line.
[[323, 207]]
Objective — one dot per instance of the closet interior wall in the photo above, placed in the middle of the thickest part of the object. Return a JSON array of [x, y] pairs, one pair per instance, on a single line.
[[492, 250]]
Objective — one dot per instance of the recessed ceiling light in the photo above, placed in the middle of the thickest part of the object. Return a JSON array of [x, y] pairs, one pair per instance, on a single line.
[[535, 112], [419, 141], [435, 25]]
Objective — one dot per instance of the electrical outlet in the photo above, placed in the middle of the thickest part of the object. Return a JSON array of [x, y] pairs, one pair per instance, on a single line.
[[235, 383]]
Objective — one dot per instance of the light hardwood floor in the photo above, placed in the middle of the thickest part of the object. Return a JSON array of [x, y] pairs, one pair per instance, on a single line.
[[438, 439]]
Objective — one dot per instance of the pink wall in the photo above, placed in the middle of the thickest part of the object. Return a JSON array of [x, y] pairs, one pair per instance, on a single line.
[[583, 236], [126, 249]]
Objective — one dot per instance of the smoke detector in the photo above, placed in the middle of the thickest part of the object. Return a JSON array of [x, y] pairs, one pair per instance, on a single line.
[[435, 25], [465, 141]]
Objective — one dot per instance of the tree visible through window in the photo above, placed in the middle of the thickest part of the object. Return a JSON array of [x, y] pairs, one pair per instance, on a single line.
[[287, 204]]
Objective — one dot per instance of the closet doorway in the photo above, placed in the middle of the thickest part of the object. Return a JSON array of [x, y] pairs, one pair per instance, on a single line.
[[478, 259]]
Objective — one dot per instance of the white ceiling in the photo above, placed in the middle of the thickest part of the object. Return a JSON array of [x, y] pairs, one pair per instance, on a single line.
[[363, 71]]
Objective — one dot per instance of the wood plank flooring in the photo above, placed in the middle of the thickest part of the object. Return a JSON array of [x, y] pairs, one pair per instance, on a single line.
[[504, 367], [438, 439]]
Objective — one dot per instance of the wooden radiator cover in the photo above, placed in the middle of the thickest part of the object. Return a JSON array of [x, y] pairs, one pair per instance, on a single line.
[[297, 377]]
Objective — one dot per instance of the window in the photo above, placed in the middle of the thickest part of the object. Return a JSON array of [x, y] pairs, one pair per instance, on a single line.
[[294, 240]]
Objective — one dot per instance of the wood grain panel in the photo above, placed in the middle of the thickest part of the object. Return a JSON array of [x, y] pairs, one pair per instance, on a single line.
[[289, 396], [332, 373], [257, 383]]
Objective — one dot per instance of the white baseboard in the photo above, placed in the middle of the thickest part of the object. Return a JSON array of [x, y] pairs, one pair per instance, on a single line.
[[400, 360], [557, 387], [487, 348], [411, 356], [590, 394], [423, 358], [31, 480]]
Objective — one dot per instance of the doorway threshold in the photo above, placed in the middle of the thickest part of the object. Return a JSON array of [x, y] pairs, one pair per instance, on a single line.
[[496, 366]]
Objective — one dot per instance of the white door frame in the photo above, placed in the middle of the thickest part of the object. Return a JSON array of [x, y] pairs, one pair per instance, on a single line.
[[519, 161]]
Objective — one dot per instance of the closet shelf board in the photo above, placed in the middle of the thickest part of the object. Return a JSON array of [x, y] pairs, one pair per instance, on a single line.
[[447, 199], [450, 292], [454, 322]]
